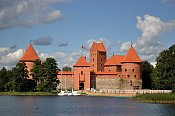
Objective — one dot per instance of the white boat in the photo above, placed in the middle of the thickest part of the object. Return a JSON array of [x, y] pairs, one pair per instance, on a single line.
[[74, 93], [62, 93]]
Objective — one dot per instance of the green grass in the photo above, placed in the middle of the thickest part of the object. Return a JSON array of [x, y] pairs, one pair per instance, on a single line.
[[27, 93], [156, 98]]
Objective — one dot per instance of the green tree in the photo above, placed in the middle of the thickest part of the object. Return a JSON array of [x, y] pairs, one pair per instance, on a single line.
[[147, 69], [20, 78], [9, 84], [38, 75], [50, 74], [164, 73], [3, 78], [66, 68]]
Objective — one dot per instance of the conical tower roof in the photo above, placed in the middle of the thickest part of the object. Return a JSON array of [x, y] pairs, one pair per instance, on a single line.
[[131, 56], [81, 62], [29, 54]]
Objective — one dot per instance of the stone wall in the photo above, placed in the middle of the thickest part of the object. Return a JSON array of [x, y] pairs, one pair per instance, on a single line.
[[65, 82], [113, 82]]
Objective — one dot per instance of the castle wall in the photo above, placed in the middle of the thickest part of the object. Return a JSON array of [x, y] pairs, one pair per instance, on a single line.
[[113, 82], [112, 68], [65, 81]]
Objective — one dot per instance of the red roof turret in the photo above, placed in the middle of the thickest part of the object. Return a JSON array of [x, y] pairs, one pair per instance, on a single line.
[[81, 62], [29, 54], [131, 56]]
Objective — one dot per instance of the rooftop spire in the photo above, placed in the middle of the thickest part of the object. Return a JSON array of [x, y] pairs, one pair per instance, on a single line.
[[81, 62], [29, 54], [131, 56]]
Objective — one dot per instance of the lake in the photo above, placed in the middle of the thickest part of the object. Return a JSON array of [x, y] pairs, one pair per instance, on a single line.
[[80, 106]]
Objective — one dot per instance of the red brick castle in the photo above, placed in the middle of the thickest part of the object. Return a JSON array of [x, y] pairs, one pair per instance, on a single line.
[[117, 72]]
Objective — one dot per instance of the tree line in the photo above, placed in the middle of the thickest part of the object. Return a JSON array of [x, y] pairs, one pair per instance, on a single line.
[[44, 77], [162, 76]]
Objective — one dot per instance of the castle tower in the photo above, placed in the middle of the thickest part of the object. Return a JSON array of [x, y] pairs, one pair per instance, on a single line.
[[82, 74], [29, 57], [131, 67], [97, 57]]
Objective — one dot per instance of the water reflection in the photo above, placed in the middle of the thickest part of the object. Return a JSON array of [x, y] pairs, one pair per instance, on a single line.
[[80, 106]]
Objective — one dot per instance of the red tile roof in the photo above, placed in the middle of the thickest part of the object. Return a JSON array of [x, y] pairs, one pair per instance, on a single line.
[[29, 54], [131, 56], [114, 60], [98, 46], [65, 73], [104, 73], [82, 62]]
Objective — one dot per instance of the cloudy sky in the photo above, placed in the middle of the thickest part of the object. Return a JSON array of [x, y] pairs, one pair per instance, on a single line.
[[58, 28]]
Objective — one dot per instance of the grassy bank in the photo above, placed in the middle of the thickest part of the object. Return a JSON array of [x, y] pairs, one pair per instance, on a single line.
[[156, 98], [27, 94]]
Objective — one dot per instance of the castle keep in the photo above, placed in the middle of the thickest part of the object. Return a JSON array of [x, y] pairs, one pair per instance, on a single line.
[[117, 72]]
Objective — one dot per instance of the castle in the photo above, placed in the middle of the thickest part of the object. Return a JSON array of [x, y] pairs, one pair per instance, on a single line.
[[117, 72]]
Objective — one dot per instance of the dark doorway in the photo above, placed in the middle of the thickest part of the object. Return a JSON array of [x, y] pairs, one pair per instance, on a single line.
[[81, 86]]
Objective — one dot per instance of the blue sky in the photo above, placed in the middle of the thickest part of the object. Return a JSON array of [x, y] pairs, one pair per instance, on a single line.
[[58, 28]]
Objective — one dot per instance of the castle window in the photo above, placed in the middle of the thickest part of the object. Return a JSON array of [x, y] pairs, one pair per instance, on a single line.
[[130, 82], [133, 70], [135, 76], [101, 59], [93, 59], [81, 72], [125, 70], [128, 76]]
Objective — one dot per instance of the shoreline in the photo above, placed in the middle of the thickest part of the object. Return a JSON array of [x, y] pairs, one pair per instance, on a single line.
[[155, 101], [27, 94], [138, 98]]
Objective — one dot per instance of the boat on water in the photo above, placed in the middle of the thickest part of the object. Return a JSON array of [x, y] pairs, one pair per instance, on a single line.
[[62, 93], [69, 93]]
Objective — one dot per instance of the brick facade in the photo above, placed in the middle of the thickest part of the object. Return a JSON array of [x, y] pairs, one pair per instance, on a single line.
[[117, 72]]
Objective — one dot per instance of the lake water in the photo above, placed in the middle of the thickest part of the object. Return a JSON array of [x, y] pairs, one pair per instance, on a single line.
[[80, 106]]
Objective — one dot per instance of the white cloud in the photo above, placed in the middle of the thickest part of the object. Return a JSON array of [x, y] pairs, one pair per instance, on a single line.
[[28, 12], [148, 44], [9, 57]]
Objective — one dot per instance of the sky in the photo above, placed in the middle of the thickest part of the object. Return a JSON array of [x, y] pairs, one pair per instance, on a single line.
[[59, 28]]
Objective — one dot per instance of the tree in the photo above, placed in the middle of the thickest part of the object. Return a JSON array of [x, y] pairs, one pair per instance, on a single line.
[[20, 77], [38, 75], [66, 68], [50, 74], [147, 69], [3, 78], [164, 73]]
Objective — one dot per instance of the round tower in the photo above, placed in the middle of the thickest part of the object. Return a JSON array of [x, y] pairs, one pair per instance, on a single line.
[[29, 57], [131, 69]]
